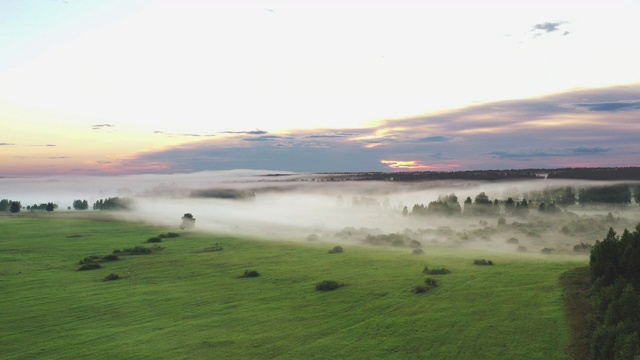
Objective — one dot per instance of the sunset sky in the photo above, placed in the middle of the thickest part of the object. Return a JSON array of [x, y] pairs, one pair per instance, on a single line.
[[129, 87]]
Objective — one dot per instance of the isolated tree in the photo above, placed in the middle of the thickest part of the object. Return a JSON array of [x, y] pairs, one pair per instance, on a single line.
[[188, 222], [80, 204], [405, 211], [50, 207], [15, 207]]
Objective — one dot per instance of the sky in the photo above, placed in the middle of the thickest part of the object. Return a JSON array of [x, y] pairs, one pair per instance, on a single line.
[[135, 87]]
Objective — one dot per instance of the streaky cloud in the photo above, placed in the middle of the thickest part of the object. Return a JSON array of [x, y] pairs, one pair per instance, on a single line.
[[611, 106]]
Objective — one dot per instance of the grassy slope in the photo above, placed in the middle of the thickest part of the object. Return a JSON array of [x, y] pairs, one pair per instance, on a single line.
[[182, 304]]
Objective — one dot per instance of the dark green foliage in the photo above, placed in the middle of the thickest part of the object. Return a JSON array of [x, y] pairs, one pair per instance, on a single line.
[[439, 271], [156, 239], [250, 273], [429, 283], [169, 235], [111, 277], [615, 273], [610, 194], [90, 266], [114, 203], [50, 207], [5, 204], [336, 250], [417, 252], [138, 250], [15, 207], [110, 257], [482, 262], [327, 285], [80, 204], [216, 247], [419, 289]]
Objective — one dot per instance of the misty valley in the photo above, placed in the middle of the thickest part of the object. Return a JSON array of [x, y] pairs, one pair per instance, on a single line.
[[249, 264]]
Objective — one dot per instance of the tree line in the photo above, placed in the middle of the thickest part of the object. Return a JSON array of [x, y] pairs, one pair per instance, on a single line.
[[614, 267], [548, 201], [112, 203]]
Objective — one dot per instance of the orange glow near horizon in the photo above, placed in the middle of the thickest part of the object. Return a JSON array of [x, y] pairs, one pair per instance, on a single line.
[[415, 165]]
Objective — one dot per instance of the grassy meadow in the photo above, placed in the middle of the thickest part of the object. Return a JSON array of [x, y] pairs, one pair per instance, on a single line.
[[182, 303]]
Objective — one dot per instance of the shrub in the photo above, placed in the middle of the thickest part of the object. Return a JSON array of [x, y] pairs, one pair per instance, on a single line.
[[547, 250], [250, 273], [430, 283], [512, 241], [483, 262], [440, 271], [521, 249], [111, 277], [327, 285], [216, 247], [502, 221], [419, 289], [139, 250], [417, 252], [110, 257], [90, 266], [117, 251], [336, 250], [156, 239], [168, 235]]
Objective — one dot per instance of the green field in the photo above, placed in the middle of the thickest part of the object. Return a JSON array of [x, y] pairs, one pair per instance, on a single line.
[[183, 304]]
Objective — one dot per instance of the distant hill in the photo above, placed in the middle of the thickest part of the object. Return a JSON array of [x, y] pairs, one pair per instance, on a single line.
[[614, 173]]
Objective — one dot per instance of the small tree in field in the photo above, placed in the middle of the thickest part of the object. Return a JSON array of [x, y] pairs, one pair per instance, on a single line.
[[15, 207], [188, 222]]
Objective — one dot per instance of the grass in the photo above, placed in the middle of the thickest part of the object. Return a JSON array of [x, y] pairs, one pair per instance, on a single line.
[[182, 303]]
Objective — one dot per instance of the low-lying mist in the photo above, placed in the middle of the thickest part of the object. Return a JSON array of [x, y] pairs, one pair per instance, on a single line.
[[308, 208]]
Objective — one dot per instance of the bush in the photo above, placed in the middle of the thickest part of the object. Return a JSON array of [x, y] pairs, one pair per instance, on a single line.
[[138, 250], [327, 285], [440, 271], [521, 248], [430, 283], [483, 262], [547, 250], [90, 266], [111, 277], [216, 247], [415, 244], [417, 252], [169, 235], [336, 250], [512, 241], [419, 289], [250, 273], [110, 257], [156, 239]]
